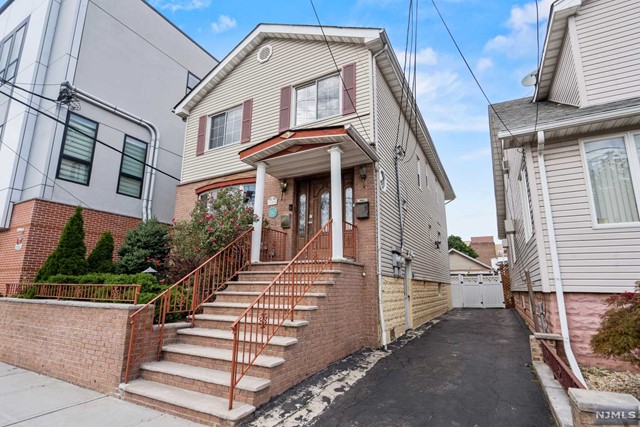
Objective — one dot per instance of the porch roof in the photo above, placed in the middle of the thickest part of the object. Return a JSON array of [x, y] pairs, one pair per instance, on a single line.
[[302, 152]]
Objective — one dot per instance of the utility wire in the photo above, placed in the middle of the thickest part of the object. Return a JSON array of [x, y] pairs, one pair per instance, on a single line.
[[535, 126], [338, 69], [26, 104]]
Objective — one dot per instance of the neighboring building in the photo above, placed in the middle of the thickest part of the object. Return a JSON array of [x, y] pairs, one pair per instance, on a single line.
[[127, 57], [463, 264], [485, 247], [567, 172], [311, 140]]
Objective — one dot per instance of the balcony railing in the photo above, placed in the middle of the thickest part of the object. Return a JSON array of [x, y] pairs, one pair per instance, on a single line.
[[349, 240], [77, 292], [273, 246]]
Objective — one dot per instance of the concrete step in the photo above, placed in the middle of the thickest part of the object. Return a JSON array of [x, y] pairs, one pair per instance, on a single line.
[[251, 390], [234, 294], [199, 407], [219, 358], [220, 338], [237, 308], [319, 286], [270, 274], [220, 321]]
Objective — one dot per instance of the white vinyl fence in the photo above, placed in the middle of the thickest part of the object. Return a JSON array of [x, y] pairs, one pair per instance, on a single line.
[[477, 291]]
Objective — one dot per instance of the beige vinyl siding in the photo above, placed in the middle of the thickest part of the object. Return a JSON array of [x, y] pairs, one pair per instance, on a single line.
[[527, 256], [423, 210], [564, 88], [293, 62], [609, 39], [591, 260]]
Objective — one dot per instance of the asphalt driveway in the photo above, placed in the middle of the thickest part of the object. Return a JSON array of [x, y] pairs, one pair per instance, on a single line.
[[470, 369]]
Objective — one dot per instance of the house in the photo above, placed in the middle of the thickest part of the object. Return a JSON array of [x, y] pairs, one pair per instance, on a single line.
[[118, 67], [460, 263], [304, 121], [567, 174]]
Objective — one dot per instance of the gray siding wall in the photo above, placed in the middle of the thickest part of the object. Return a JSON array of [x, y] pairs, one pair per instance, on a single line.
[[527, 255], [591, 260], [564, 88], [425, 219], [293, 62], [609, 39]]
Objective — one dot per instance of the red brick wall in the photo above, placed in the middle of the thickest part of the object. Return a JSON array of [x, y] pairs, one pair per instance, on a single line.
[[81, 343], [43, 222]]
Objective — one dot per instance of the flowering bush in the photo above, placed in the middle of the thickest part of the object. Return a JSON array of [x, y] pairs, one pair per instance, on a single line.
[[619, 333], [213, 225]]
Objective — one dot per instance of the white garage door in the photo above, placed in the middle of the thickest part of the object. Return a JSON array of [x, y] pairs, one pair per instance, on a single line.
[[477, 291]]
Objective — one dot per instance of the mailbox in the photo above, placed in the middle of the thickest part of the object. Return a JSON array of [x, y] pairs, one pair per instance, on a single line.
[[362, 208]]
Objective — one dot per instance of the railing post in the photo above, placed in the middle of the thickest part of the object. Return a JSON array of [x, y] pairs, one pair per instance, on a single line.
[[293, 288], [135, 298], [196, 289], [234, 365]]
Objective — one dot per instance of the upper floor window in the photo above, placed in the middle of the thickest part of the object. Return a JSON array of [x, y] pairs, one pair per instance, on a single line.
[[132, 167], [11, 49], [76, 156], [318, 100], [192, 81], [613, 166], [225, 128]]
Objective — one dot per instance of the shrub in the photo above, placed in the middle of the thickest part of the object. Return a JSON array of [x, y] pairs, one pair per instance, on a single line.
[[101, 258], [145, 246], [212, 226], [148, 282], [68, 257], [619, 332]]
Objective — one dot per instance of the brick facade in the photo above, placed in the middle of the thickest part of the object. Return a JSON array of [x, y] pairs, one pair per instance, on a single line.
[[484, 247], [43, 222], [82, 343]]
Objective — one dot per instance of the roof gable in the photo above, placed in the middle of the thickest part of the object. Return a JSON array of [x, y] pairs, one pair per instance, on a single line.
[[468, 259]]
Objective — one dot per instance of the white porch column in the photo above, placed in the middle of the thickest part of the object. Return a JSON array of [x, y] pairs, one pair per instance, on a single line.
[[336, 202], [258, 209]]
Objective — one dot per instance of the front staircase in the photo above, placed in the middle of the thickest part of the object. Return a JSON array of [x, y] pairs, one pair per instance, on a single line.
[[192, 377]]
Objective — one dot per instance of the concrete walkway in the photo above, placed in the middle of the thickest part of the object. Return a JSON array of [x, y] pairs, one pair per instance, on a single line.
[[33, 400], [470, 369]]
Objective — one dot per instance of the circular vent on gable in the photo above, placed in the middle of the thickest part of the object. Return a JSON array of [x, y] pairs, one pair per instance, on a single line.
[[265, 53]]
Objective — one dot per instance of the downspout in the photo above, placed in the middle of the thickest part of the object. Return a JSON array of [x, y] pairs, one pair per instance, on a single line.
[[555, 264], [374, 115], [149, 182]]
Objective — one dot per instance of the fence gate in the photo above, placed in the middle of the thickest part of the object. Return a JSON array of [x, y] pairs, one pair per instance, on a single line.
[[477, 291]]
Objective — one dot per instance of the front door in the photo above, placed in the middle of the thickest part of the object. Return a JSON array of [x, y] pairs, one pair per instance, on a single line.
[[313, 204]]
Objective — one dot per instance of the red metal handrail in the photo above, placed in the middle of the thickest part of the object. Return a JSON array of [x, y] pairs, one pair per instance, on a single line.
[[273, 246], [560, 370], [349, 240], [187, 295], [276, 304], [118, 293]]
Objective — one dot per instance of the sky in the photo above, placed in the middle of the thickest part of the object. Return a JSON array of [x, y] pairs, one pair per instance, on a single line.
[[497, 37]]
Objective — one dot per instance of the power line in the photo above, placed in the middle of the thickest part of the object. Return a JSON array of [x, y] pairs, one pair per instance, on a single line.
[[89, 136], [535, 126], [338, 70]]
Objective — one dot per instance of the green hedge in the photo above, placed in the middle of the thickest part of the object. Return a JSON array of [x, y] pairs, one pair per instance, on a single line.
[[148, 282]]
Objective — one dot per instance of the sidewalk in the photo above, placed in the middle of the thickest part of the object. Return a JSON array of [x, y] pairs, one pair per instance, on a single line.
[[34, 400]]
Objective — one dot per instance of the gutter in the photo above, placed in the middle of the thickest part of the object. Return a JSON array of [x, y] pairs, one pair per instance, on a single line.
[[149, 182], [374, 111], [555, 263]]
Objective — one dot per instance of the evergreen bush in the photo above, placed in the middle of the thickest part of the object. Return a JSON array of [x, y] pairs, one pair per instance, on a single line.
[[101, 258], [68, 257], [145, 246]]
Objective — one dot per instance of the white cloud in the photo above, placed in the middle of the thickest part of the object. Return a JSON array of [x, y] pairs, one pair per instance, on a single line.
[[223, 23], [484, 64], [426, 56], [175, 5], [521, 38]]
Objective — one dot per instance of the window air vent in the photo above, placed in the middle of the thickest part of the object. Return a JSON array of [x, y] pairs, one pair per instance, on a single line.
[[265, 53]]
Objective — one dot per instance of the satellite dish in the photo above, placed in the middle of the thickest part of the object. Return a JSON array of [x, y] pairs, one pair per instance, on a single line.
[[530, 79]]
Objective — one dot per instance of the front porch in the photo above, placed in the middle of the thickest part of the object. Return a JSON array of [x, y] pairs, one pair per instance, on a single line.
[[299, 176]]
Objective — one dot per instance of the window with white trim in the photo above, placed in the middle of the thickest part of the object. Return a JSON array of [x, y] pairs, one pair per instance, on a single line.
[[249, 191], [525, 199], [613, 174], [76, 156], [419, 171], [225, 128], [318, 100]]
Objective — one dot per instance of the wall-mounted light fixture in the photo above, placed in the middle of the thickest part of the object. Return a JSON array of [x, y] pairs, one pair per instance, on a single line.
[[283, 188], [437, 243], [363, 174]]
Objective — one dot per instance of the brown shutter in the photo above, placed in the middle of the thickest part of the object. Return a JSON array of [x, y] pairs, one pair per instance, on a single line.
[[285, 109], [247, 114], [202, 135], [349, 89]]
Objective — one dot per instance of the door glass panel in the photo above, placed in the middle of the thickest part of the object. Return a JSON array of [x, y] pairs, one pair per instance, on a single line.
[[325, 208], [302, 215], [348, 205]]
